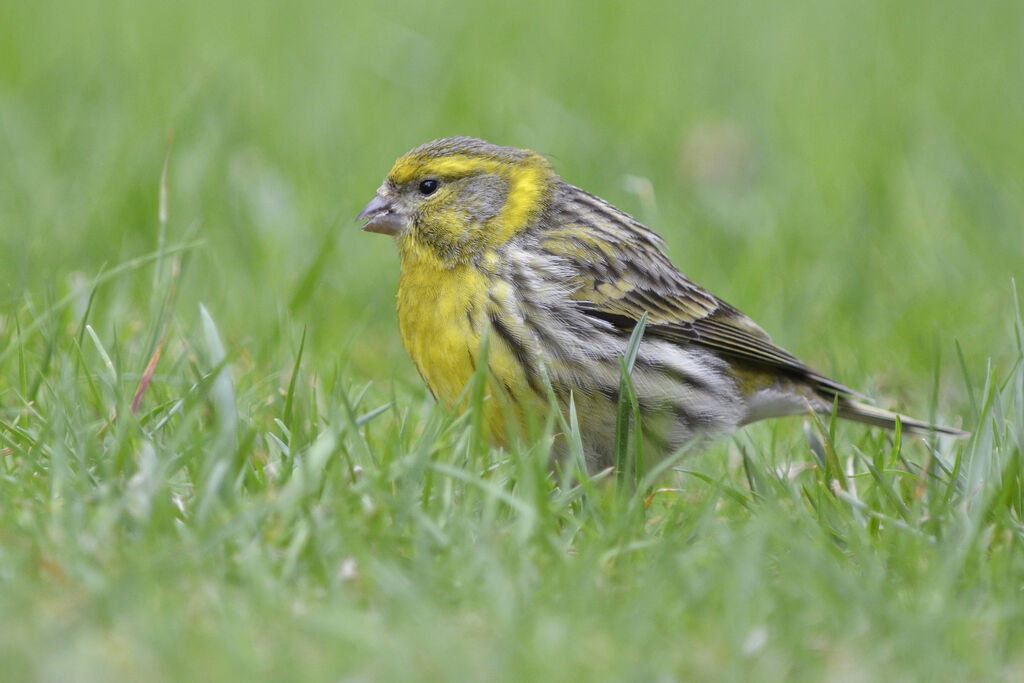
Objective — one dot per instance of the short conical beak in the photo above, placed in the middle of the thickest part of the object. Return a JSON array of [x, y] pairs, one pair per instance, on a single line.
[[381, 217]]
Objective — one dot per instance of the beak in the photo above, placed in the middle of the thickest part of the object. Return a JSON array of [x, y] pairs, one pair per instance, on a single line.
[[381, 217]]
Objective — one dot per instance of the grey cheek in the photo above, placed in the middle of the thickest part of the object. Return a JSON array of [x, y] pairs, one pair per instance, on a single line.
[[488, 194]]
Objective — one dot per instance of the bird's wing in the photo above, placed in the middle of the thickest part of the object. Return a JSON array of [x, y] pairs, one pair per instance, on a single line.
[[621, 272]]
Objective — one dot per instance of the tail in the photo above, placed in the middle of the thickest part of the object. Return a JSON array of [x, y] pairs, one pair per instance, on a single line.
[[851, 409], [795, 396]]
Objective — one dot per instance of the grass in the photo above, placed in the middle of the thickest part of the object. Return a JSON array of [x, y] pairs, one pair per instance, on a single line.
[[216, 461]]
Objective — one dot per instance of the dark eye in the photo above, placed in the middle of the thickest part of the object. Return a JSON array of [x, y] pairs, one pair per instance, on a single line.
[[429, 187]]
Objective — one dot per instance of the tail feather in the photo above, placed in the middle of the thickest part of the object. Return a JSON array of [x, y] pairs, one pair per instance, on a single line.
[[861, 412], [818, 393]]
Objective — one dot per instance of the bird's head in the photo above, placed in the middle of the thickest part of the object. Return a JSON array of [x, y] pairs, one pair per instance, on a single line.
[[459, 197]]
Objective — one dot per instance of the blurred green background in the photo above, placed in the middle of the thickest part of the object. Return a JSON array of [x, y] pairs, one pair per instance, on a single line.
[[850, 174]]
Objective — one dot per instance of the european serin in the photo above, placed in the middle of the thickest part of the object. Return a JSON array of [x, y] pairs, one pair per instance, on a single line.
[[491, 237]]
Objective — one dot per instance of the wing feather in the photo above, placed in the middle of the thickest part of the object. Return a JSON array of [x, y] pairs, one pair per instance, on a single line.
[[621, 272]]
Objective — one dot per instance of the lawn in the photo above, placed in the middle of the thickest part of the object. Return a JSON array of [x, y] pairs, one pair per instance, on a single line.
[[218, 463]]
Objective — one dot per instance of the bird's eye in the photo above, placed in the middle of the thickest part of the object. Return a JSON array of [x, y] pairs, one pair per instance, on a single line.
[[429, 187]]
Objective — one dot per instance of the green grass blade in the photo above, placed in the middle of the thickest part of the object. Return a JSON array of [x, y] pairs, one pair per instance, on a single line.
[[290, 395]]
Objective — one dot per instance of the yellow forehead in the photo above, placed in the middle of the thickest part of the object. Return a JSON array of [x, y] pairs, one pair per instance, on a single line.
[[411, 167]]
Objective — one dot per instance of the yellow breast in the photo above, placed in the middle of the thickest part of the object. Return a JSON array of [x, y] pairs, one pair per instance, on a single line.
[[441, 318], [443, 313]]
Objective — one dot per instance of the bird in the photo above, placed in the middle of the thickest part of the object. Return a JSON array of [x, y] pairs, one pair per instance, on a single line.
[[494, 245]]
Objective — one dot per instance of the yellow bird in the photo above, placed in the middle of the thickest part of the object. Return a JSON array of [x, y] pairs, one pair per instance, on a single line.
[[492, 238]]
